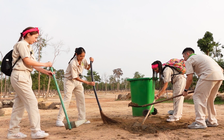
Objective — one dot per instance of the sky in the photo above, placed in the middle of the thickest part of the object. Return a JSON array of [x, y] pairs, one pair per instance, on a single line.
[[126, 34]]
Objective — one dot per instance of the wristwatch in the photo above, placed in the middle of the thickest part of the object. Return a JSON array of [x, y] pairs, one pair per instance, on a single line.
[[185, 90]]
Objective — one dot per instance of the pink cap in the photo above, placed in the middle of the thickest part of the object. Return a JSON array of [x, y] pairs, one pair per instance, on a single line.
[[31, 30]]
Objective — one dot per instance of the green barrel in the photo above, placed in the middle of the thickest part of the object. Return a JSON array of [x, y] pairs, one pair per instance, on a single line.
[[142, 92]]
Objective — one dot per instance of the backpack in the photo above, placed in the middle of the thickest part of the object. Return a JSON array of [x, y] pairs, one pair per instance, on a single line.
[[6, 66], [175, 64]]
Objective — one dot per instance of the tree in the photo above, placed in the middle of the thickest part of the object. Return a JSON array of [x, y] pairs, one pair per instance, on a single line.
[[117, 74], [38, 47], [126, 83], [96, 78], [105, 79], [206, 44], [138, 75], [57, 51], [216, 54], [112, 81], [60, 76]]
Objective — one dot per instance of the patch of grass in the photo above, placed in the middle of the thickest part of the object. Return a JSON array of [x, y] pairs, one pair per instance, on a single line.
[[218, 101], [189, 101], [169, 101]]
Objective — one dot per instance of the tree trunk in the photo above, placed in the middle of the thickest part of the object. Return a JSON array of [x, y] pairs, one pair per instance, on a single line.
[[106, 87], [48, 87], [97, 85], [38, 84], [1, 88], [5, 85], [118, 86], [39, 72]]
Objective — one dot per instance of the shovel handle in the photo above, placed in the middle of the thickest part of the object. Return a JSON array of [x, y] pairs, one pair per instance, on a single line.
[[62, 104], [148, 112], [163, 100], [94, 88]]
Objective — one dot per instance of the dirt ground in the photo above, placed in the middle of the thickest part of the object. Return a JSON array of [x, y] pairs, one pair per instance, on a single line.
[[156, 127]]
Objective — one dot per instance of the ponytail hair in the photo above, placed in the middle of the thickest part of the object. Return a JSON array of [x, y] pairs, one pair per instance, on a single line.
[[78, 51], [154, 76], [31, 33]]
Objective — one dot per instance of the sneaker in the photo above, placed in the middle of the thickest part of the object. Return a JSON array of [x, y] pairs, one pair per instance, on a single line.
[[39, 135], [87, 122], [209, 124], [60, 124], [172, 119], [195, 125], [18, 135], [170, 112]]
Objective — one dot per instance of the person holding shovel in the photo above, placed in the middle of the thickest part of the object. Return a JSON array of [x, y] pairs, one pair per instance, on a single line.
[[22, 84], [169, 74], [73, 82], [210, 77]]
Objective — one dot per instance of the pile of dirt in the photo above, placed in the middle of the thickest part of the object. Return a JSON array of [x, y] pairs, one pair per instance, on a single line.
[[154, 124], [48, 105], [126, 96]]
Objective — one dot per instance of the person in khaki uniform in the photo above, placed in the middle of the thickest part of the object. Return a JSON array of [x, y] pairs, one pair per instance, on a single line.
[[178, 82], [22, 84], [210, 77], [73, 82]]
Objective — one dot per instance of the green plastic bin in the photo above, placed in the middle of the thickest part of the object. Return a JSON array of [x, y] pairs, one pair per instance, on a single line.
[[142, 92]]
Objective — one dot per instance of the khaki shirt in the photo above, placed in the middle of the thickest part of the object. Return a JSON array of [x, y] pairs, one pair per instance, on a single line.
[[74, 69], [167, 73], [204, 66], [22, 49]]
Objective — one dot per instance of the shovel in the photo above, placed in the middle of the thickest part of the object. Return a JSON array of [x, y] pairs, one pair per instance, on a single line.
[[136, 105]]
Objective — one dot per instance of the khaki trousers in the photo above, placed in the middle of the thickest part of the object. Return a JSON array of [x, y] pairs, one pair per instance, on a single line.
[[178, 88], [69, 87], [204, 96], [25, 99]]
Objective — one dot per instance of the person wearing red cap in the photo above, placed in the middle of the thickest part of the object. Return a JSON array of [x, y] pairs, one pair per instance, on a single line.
[[22, 84]]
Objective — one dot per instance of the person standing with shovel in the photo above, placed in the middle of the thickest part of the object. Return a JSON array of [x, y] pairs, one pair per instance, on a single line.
[[210, 77], [73, 82], [22, 84], [171, 74]]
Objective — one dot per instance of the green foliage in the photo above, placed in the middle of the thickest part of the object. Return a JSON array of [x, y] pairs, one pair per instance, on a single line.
[[138, 75], [43, 81], [210, 47], [206, 44], [218, 101], [96, 78], [190, 101], [59, 76]]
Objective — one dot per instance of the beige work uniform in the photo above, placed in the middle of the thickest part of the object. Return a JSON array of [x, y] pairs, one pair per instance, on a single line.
[[179, 83], [22, 84], [70, 84], [210, 76]]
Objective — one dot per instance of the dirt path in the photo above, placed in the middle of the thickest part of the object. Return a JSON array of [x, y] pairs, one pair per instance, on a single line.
[[156, 126]]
